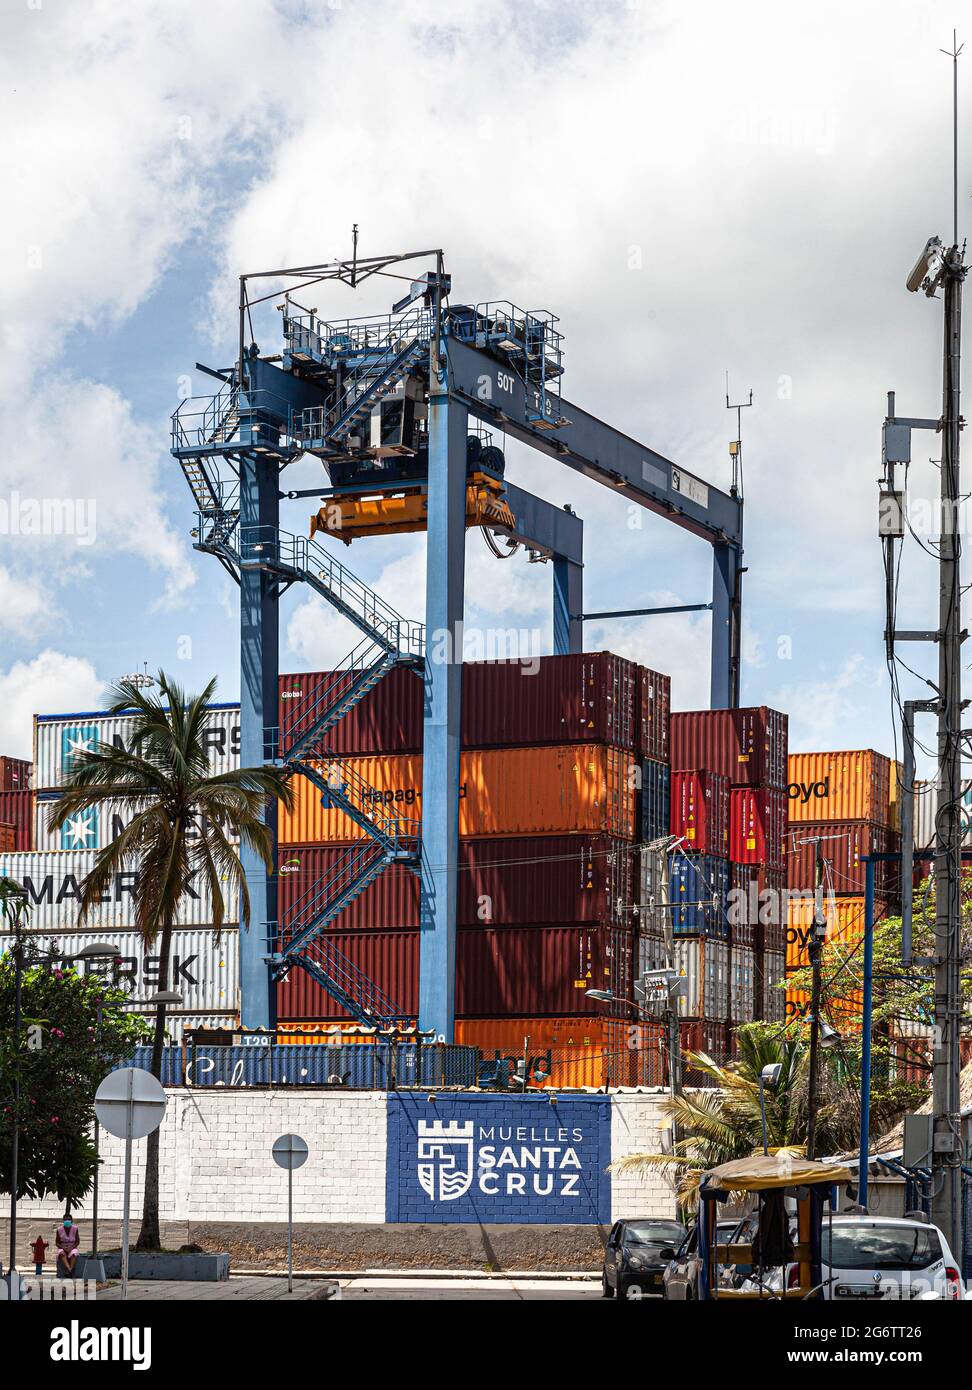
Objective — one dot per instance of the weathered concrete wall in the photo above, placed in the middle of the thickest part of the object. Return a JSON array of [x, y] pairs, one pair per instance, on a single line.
[[221, 1189]]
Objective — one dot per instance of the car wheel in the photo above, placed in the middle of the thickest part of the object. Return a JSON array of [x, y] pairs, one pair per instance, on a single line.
[[606, 1290]]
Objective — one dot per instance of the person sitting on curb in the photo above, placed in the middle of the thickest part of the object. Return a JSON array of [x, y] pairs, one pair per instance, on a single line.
[[67, 1240], [38, 1248]]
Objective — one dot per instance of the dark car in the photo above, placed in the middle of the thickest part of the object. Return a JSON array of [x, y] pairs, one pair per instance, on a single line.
[[633, 1263]]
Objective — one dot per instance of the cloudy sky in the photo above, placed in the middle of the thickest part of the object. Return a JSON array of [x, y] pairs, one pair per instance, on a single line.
[[693, 188]]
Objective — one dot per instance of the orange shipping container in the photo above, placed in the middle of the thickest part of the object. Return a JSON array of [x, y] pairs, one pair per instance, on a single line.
[[8, 837], [566, 788], [573, 1051], [845, 924], [839, 786], [896, 792], [839, 1012]]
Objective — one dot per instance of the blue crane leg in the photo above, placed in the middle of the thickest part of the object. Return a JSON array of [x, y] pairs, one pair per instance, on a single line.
[[568, 603], [259, 634], [443, 691], [725, 617]]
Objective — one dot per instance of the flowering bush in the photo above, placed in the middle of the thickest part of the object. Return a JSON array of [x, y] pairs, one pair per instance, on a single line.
[[63, 1056]]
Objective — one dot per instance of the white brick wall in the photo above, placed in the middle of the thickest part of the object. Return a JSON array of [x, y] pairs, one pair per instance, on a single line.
[[216, 1164], [636, 1124]]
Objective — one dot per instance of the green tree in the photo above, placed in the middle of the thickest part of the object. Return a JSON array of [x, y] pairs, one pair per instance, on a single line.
[[60, 1057], [184, 822]]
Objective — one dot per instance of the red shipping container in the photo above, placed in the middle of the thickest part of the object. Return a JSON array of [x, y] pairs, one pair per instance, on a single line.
[[14, 775], [749, 746], [590, 697], [541, 970], [703, 1035], [758, 906], [16, 809], [387, 720], [515, 882], [519, 970], [700, 811], [654, 713], [389, 959], [845, 844], [757, 826]]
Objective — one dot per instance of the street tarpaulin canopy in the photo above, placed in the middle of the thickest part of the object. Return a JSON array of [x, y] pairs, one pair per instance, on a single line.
[[765, 1171]]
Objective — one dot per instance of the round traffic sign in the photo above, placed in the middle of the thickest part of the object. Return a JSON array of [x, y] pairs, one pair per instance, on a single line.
[[290, 1151], [130, 1101]]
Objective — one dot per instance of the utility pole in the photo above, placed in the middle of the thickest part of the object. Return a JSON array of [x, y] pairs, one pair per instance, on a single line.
[[946, 1105], [939, 268], [815, 948]]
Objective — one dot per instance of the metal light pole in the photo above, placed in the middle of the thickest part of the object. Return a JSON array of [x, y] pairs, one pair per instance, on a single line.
[[815, 950], [769, 1076]]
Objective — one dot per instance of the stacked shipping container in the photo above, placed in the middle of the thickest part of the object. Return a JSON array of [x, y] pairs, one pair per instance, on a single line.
[[729, 802], [844, 803], [564, 764]]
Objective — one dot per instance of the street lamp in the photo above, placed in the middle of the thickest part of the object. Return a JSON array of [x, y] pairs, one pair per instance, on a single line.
[[769, 1076]]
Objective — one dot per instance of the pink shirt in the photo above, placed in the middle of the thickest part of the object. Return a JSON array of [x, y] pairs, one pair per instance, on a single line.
[[68, 1240]]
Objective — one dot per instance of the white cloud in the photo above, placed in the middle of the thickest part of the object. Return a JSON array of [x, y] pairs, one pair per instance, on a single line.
[[52, 681], [24, 606], [820, 710]]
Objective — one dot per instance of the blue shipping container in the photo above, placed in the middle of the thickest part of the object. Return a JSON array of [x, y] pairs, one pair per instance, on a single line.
[[355, 1066], [655, 800], [698, 891]]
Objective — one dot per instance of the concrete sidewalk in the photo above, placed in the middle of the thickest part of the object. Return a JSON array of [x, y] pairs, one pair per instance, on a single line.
[[245, 1289]]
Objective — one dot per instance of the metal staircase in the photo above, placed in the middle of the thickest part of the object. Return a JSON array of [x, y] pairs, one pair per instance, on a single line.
[[302, 744], [375, 375]]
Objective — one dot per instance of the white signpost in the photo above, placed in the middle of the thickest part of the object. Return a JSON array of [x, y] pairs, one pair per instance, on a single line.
[[130, 1104], [290, 1152]]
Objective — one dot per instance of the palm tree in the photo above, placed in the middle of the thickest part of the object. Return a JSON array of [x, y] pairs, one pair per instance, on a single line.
[[183, 822], [723, 1122]]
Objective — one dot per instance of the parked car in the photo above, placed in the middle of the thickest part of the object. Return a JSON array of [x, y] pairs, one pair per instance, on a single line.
[[886, 1257], [681, 1277], [633, 1263]]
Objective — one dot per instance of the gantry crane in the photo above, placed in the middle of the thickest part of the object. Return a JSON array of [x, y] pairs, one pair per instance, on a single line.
[[403, 410]]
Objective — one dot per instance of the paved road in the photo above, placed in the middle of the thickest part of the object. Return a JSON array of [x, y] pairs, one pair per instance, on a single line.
[[486, 1290], [244, 1289]]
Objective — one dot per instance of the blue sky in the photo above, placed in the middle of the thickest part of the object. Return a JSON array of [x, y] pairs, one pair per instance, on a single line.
[[692, 188]]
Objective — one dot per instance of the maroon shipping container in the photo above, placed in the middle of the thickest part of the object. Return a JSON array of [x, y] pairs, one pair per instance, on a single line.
[[654, 713], [590, 697], [525, 971], [586, 698], [749, 746], [757, 826], [517, 882], [530, 971], [387, 720], [845, 844], [16, 810], [390, 959], [757, 906], [14, 775], [703, 1035], [700, 811]]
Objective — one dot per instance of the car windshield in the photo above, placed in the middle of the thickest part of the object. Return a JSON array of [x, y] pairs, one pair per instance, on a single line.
[[873, 1246], [653, 1233]]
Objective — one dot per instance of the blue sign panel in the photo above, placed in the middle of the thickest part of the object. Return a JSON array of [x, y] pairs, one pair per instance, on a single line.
[[497, 1159]]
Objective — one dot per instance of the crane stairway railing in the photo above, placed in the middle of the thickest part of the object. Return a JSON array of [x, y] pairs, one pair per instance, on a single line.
[[373, 378], [345, 983], [343, 788], [312, 717], [354, 870], [298, 557]]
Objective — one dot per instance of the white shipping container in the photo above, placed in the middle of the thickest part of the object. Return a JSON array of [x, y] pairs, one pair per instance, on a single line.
[[926, 808], [772, 970], [205, 972], [53, 880], [704, 963], [93, 827], [652, 953], [59, 737], [653, 912], [743, 1003]]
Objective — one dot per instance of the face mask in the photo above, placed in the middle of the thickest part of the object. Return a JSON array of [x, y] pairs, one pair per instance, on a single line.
[[68, 1223]]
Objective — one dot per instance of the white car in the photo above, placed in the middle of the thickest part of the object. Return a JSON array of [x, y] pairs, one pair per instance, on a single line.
[[887, 1257]]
